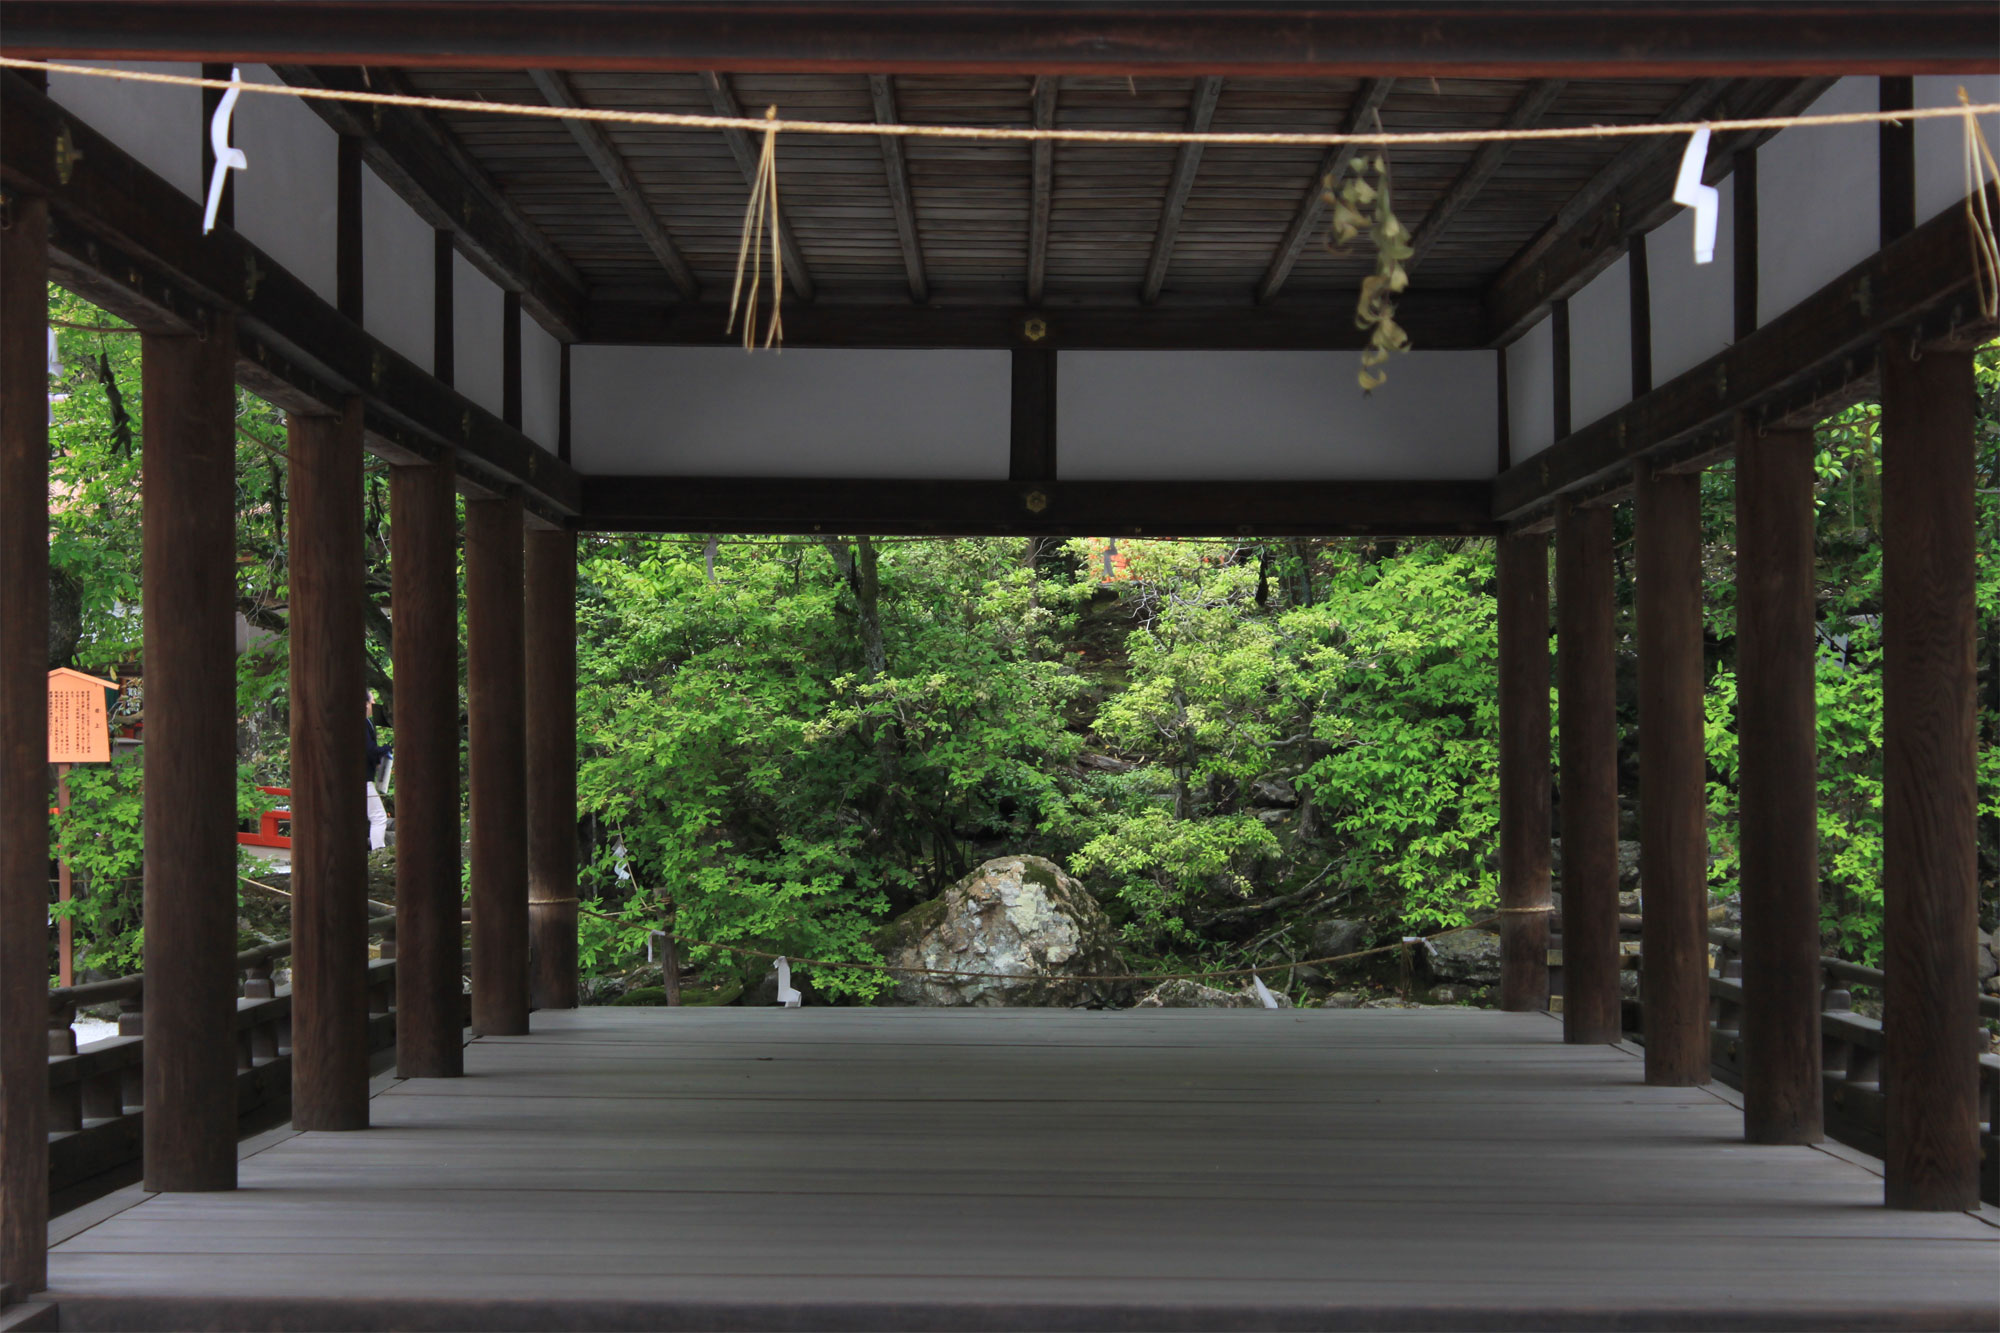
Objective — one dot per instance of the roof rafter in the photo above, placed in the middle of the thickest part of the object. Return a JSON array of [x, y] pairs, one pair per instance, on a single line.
[[1201, 110], [1367, 103], [723, 98], [882, 90], [1529, 108], [610, 163], [1041, 174]]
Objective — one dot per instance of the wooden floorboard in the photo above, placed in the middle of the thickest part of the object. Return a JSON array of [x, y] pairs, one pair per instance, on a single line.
[[824, 1168]]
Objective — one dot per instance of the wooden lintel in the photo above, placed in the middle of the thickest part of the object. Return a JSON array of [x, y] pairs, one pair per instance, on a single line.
[[1437, 321], [1035, 507], [141, 237], [1518, 39], [1361, 112], [611, 165], [1791, 367], [417, 158]]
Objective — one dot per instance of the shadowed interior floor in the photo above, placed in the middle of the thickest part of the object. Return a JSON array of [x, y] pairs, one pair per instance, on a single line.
[[841, 1168]]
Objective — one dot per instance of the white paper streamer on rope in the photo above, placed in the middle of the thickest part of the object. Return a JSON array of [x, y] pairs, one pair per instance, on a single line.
[[786, 995], [1263, 991], [1705, 200], [225, 156]]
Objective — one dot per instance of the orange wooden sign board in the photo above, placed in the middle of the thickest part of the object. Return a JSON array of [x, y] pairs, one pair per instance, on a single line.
[[78, 731]]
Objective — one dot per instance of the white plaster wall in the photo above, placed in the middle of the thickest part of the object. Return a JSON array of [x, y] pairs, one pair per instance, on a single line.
[[1600, 345], [1818, 200], [398, 288], [1941, 143], [477, 305], [541, 385], [1693, 305], [1273, 416], [1531, 392], [808, 412], [285, 198], [159, 124]]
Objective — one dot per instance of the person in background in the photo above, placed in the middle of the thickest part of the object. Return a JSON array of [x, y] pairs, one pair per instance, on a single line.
[[378, 756]]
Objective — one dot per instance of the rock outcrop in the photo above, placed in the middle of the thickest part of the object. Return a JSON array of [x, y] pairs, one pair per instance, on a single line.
[[1184, 994], [1021, 917], [1471, 956]]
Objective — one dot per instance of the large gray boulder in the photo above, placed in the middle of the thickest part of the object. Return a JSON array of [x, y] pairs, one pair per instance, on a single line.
[[1464, 955], [1336, 936], [1021, 917]]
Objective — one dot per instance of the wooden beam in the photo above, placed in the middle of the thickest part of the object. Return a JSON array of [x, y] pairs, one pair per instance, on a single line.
[[1041, 184], [1362, 113], [1631, 195], [496, 755], [329, 850], [1783, 366], [423, 563], [1930, 866], [1436, 320], [1322, 40], [1587, 694], [1777, 647], [1743, 259], [1201, 110], [722, 97], [1639, 295], [133, 243], [1673, 776], [424, 163], [1526, 112], [510, 359], [550, 559], [24, 771], [348, 230], [610, 164], [444, 327], [189, 596], [1559, 367], [882, 91], [1524, 770], [1896, 159], [1034, 508]]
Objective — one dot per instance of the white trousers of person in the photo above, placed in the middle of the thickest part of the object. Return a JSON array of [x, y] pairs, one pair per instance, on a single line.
[[378, 819]]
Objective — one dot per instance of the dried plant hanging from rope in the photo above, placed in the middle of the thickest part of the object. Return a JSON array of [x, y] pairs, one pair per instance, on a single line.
[[1980, 173], [759, 216], [1360, 205]]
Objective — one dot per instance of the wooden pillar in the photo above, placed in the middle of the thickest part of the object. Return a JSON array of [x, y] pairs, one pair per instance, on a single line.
[[24, 746], [1587, 699], [1673, 771], [329, 770], [494, 695], [1929, 792], [190, 820], [1778, 781], [423, 557], [551, 689], [1524, 771]]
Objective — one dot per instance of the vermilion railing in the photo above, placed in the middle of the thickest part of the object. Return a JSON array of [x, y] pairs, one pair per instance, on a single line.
[[268, 823]]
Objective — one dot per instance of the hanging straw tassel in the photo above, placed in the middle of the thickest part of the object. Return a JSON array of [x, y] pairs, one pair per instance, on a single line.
[[761, 213], [1980, 172]]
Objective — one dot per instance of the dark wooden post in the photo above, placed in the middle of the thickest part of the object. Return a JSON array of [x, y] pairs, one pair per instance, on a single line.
[[190, 873], [24, 744], [494, 693], [1673, 772], [424, 566], [1778, 779], [1929, 792], [1524, 771], [551, 681], [329, 768], [1587, 698]]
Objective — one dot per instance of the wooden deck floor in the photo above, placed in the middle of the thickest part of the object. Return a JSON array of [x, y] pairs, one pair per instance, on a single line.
[[653, 1168]]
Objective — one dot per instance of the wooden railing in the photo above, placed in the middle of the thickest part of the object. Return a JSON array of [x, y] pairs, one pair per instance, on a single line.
[[97, 1094], [1851, 1046]]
